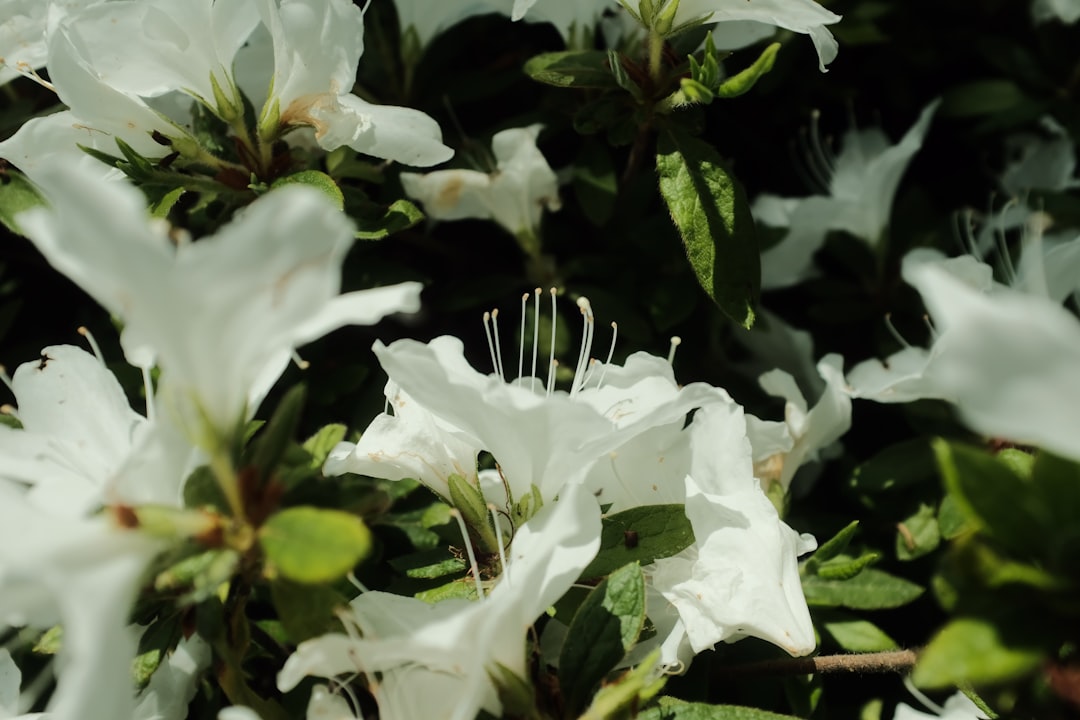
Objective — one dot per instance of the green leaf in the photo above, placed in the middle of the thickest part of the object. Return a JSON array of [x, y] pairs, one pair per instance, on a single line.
[[622, 698], [274, 440], [595, 185], [995, 497], [640, 534], [401, 215], [306, 611], [161, 208], [871, 589], [321, 443], [743, 81], [621, 76], [430, 564], [16, 195], [312, 545], [952, 522], [895, 468], [517, 695], [605, 627], [845, 567], [672, 709], [201, 490], [918, 535], [713, 217], [572, 68], [832, 547], [314, 179], [983, 97], [971, 651], [854, 634]]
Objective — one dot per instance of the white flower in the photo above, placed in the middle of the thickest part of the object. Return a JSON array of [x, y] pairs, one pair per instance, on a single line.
[[958, 707], [450, 647], [780, 449], [1067, 11], [1012, 365], [410, 443], [1043, 161], [514, 194], [317, 46], [862, 181], [741, 577], [220, 315], [173, 684], [801, 16], [23, 32], [83, 574]]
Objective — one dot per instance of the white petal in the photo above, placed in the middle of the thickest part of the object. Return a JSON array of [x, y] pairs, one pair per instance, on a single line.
[[1011, 363], [396, 133]]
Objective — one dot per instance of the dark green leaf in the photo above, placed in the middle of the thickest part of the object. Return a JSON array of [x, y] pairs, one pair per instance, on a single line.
[[672, 709], [314, 179], [572, 68], [896, 467], [270, 446], [917, 535], [833, 546], [401, 215], [640, 534], [852, 633], [306, 611], [713, 217], [871, 589], [605, 627], [321, 443]]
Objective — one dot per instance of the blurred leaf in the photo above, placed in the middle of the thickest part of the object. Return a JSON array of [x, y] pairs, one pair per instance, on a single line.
[[982, 97], [970, 651], [322, 442], [673, 709], [312, 545], [401, 215], [595, 185], [897, 467], [952, 522], [604, 628], [306, 611], [743, 81], [621, 698], [17, 194], [640, 534], [572, 68], [852, 633], [918, 535], [713, 217], [317, 180]]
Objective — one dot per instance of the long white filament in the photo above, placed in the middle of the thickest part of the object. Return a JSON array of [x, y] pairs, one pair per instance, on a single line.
[[94, 347], [498, 345], [469, 551], [521, 346], [498, 535]]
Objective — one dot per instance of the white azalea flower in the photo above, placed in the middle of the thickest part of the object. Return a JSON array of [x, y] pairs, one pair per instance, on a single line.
[[317, 46], [221, 315], [24, 30], [958, 707], [741, 577], [83, 574], [1043, 161], [1067, 11], [780, 449], [410, 443], [514, 194], [174, 683], [539, 438], [449, 648], [1012, 360], [862, 181]]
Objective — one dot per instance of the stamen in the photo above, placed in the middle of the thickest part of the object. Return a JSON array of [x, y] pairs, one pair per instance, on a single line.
[[1007, 266], [521, 332], [498, 535], [921, 697], [6, 379], [498, 345], [491, 344], [610, 353], [536, 331], [551, 351], [23, 68], [94, 347], [37, 687], [589, 327], [356, 582], [469, 552], [7, 409], [964, 232], [676, 341], [148, 388], [299, 361], [894, 332], [930, 327], [819, 161]]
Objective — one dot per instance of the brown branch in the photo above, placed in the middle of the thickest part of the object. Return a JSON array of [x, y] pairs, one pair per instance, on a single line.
[[892, 661]]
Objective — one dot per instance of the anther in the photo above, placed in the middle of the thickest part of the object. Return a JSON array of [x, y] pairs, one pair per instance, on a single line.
[[588, 327], [94, 347], [469, 552], [491, 344], [299, 361], [676, 341], [6, 379], [7, 409], [536, 330], [521, 345]]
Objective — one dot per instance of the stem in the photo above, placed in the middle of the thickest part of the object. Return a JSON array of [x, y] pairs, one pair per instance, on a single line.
[[656, 55], [891, 661], [227, 480]]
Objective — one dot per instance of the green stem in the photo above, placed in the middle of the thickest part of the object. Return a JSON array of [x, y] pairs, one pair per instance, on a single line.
[[656, 55], [222, 467]]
